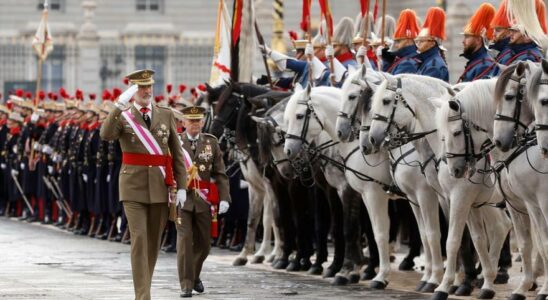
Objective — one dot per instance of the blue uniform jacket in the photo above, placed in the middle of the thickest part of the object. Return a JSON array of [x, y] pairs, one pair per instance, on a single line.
[[432, 64], [480, 65], [404, 61]]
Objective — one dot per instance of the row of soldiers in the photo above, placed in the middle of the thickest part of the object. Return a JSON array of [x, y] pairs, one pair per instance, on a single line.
[[490, 40]]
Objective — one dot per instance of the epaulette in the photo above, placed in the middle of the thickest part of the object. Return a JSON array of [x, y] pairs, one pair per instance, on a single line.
[[210, 135], [163, 106]]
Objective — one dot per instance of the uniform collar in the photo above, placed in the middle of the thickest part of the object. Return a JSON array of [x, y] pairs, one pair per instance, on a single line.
[[432, 52], [410, 50], [516, 48], [149, 106], [500, 45], [192, 138], [479, 54]]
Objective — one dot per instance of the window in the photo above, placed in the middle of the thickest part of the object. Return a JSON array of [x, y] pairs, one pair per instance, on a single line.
[[53, 5], [149, 5], [153, 58], [52, 70], [112, 65]]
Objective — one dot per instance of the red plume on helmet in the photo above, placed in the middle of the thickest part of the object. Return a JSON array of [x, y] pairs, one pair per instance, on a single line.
[[106, 95], [50, 95], [293, 35], [202, 87], [28, 95], [169, 88], [63, 93], [19, 93], [157, 99], [116, 92], [193, 91], [126, 80], [55, 97], [182, 88], [9, 104], [42, 95], [92, 96], [79, 95]]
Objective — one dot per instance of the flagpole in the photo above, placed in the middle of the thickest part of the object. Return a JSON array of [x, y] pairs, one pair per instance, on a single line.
[[383, 21], [365, 30], [40, 57]]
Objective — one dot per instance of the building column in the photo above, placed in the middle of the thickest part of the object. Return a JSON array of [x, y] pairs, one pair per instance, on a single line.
[[88, 52]]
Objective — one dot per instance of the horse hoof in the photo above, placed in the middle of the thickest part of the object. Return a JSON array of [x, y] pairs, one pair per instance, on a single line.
[[406, 265], [281, 264], [368, 274], [439, 296], [429, 287], [419, 286], [331, 271], [294, 266], [453, 289], [274, 262], [315, 270], [464, 289], [257, 259], [354, 278], [541, 297], [378, 285], [502, 277], [486, 294], [239, 261], [517, 297], [340, 280], [305, 264], [271, 258], [534, 287]]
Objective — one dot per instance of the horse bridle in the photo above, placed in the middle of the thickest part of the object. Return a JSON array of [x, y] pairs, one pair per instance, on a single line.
[[402, 136], [520, 96], [542, 127], [352, 117], [304, 131], [470, 155]]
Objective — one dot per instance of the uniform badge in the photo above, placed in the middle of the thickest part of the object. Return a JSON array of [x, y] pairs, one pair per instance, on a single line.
[[163, 126], [160, 132], [202, 168], [164, 140]]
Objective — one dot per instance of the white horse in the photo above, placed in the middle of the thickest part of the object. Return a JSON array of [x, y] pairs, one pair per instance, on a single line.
[[403, 104], [311, 111], [407, 171]]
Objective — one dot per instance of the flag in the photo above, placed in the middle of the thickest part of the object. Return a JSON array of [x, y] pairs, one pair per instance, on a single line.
[[243, 42], [326, 14], [364, 5], [305, 21], [237, 21], [43, 42], [376, 10], [220, 69]]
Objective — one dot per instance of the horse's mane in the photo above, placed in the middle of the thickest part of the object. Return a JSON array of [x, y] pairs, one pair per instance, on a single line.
[[475, 103], [265, 131], [246, 89]]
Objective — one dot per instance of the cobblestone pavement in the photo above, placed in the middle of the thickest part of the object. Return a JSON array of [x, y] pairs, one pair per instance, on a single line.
[[43, 262]]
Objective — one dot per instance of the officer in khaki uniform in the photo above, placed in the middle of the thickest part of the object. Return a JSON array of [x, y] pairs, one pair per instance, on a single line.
[[195, 214], [144, 190]]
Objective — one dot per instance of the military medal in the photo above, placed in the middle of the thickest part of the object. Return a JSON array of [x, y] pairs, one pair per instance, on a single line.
[[202, 168], [163, 127], [164, 140]]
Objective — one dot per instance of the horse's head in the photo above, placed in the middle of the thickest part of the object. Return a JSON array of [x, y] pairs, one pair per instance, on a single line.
[[226, 109], [303, 124], [512, 116], [390, 111], [271, 143], [356, 91], [538, 97]]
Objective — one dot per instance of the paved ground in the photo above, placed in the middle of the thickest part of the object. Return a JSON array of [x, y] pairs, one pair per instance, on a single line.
[[43, 262]]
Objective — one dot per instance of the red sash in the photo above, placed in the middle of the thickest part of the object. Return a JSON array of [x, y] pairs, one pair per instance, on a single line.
[[143, 159]]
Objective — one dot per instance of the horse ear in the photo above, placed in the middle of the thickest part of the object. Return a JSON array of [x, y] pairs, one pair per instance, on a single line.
[[451, 92], [364, 70], [208, 87], [520, 69], [544, 65], [454, 105], [308, 88]]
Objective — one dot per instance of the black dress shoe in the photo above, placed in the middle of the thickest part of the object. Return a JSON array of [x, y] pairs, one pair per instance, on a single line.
[[186, 294], [198, 286]]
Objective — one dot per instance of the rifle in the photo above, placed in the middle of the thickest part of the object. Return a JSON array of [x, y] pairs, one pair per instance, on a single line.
[[60, 204], [22, 193], [61, 196]]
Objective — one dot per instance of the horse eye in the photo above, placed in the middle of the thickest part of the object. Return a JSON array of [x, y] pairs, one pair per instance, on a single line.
[[300, 116], [457, 133], [509, 97], [544, 102], [352, 97], [386, 101]]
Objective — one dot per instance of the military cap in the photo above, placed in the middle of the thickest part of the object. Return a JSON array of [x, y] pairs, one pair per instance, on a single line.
[[141, 77], [4, 109], [193, 112], [15, 116]]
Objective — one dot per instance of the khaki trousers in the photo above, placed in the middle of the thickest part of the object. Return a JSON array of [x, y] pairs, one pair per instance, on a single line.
[[146, 223], [193, 245]]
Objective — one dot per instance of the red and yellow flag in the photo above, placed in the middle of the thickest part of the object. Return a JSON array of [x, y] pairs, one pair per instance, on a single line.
[[237, 21], [326, 13]]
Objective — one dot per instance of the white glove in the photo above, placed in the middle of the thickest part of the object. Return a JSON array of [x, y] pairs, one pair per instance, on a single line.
[[37, 147], [3, 166], [85, 177], [265, 49], [223, 207], [244, 184], [50, 170], [22, 166], [46, 149], [127, 95], [34, 117], [362, 51], [378, 51], [14, 172], [309, 49], [181, 197], [329, 51], [108, 178]]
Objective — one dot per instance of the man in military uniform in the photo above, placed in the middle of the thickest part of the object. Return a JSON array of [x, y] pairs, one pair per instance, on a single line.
[[152, 166], [476, 34], [428, 44], [204, 163]]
